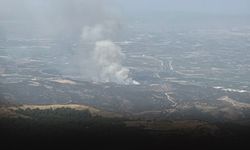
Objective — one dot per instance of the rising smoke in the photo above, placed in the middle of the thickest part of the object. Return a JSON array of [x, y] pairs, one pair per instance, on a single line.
[[89, 24], [106, 57]]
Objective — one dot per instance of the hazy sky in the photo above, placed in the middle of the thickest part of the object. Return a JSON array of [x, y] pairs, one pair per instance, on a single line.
[[26, 8], [67, 17], [203, 6], [19, 7]]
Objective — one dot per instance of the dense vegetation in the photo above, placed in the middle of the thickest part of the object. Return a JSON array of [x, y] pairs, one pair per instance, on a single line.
[[65, 125]]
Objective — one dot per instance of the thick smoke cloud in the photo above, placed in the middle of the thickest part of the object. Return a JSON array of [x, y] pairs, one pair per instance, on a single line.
[[108, 58], [87, 26], [105, 61]]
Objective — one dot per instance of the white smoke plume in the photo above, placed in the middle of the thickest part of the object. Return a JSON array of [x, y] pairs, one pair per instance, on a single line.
[[106, 57], [81, 29]]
